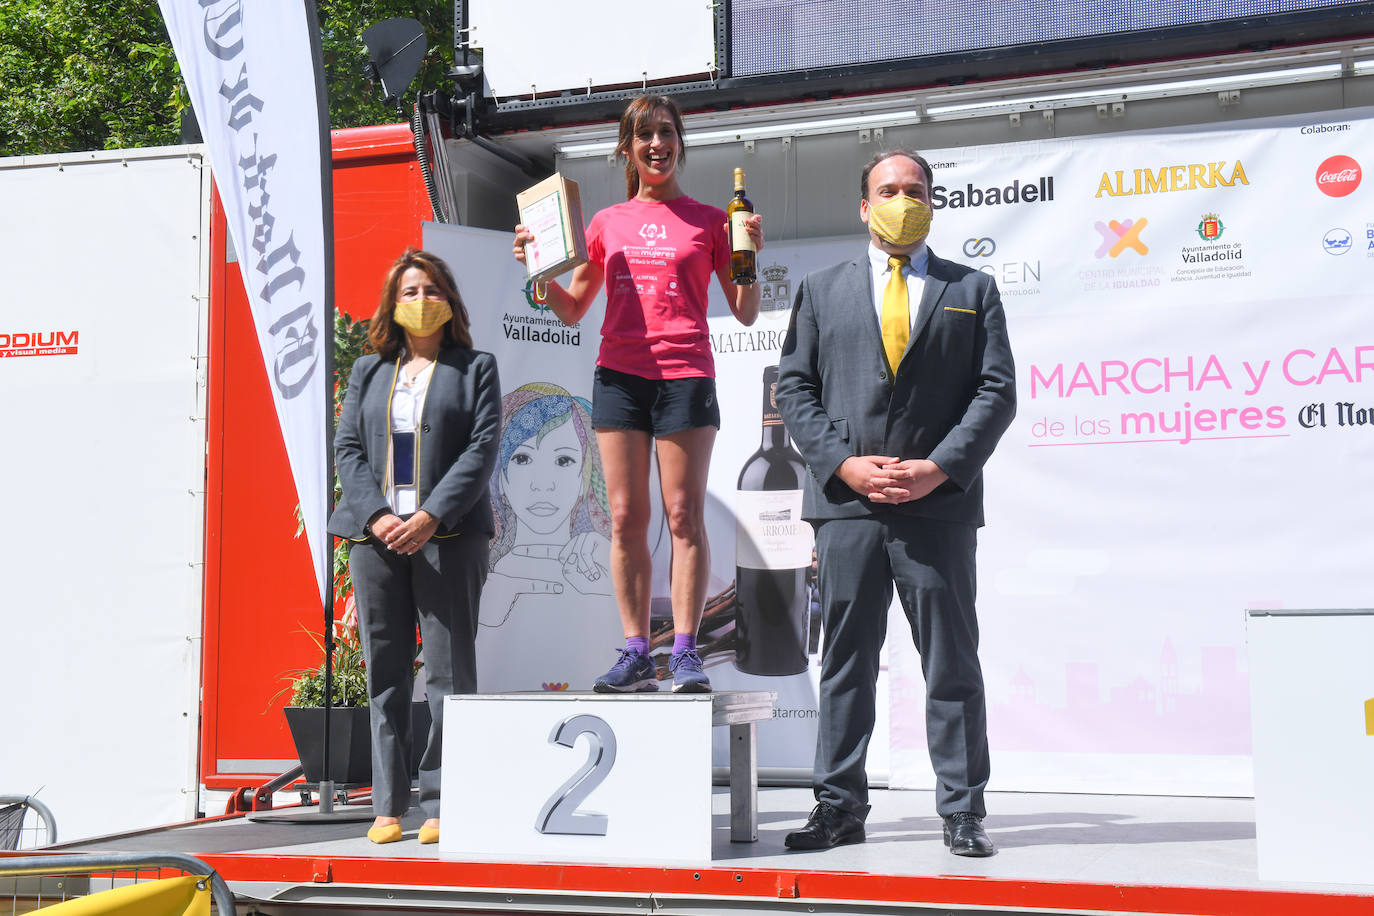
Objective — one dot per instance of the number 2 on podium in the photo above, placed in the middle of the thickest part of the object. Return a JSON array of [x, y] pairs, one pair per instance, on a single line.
[[559, 814]]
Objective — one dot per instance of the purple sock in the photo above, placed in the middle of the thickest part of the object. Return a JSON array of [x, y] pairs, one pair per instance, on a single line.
[[638, 644], [683, 642]]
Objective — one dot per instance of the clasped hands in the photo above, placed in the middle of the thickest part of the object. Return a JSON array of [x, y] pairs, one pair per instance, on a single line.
[[404, 536], [890, 480]]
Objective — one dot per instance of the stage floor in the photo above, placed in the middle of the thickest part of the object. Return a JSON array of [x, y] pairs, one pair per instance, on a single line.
[[1056, 853]]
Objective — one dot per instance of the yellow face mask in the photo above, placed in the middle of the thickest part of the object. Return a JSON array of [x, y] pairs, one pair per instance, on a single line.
[[423, 317], [900, 221]]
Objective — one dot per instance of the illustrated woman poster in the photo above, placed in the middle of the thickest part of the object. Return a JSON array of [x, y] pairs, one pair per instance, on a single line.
[[549, 587]]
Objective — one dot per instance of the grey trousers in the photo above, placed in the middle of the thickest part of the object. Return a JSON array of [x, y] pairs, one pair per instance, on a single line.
[[438, 588], [932, 564]]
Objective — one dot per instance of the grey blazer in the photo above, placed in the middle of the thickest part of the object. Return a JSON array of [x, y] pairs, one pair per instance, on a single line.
[[954, 395], [459, 435]]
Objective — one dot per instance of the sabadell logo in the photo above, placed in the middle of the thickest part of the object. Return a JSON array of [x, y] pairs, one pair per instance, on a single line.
[[1338, 176]]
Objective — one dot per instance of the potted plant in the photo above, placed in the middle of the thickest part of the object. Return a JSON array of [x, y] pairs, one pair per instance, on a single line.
[[350, 752], [350, 745]]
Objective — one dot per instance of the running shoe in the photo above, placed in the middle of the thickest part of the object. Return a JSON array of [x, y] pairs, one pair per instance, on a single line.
[[687, 674], [632, 673]]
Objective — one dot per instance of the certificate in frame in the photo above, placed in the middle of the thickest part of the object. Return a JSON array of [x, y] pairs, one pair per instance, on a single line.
[[552, 210]]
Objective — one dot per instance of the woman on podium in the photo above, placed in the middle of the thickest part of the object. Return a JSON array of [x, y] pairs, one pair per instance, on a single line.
[[416, 444], [655, 378]]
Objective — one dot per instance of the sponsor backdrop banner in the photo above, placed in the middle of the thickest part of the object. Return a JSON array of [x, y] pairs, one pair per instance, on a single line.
[[1190, 318], [252, 68], [1190, 313]]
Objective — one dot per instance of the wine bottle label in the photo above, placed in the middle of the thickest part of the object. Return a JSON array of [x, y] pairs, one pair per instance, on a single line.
[[739, 236], [769, 530]]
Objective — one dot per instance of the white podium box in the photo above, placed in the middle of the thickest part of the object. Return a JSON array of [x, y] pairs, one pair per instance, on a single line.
[[594, 777], [1312, 716]]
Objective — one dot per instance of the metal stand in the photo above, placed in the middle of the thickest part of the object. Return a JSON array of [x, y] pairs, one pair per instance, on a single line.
[[741, 711], [325, 812]]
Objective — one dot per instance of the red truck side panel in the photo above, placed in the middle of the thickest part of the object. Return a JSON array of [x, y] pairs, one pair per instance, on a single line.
[[260, 606]]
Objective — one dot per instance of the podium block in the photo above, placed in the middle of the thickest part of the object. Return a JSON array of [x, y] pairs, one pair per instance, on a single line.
[[593, 777], [1312, 715]]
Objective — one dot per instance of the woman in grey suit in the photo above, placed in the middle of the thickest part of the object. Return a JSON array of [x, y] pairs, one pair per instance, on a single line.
[[415, 448]]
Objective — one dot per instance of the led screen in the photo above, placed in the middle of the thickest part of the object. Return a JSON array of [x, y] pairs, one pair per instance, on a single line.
[[782, 36]]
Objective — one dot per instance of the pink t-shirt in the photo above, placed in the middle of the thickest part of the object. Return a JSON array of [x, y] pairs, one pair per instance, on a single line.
[[659, 258]]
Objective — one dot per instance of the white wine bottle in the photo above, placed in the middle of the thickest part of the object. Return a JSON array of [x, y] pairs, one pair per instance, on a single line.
[[772, 551], [743, 254]]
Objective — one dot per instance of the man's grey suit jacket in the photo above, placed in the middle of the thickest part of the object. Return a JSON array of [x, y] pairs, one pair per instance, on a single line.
[[954, 395], [459, 435]]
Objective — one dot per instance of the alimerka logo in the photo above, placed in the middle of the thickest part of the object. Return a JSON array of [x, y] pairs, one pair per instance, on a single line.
[[1338, 176], [1168, 178], [1118, 236], [38, 343]]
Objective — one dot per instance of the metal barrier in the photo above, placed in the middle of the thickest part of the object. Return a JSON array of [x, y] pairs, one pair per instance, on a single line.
[[34, 882]]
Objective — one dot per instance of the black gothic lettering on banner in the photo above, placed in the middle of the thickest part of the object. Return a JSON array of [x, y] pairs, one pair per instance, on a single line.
[[293, 329]]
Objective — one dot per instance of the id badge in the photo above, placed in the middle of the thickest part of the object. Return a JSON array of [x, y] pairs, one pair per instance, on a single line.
[[403, 458]]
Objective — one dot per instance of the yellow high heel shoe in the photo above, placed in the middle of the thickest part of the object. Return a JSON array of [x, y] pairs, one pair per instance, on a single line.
[[429, 835], [388, 833]]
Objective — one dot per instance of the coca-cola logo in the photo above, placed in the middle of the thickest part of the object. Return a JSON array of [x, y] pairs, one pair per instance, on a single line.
[[1338, 176]]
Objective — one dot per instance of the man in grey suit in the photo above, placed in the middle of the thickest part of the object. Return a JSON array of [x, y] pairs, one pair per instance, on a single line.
[[896, 381]]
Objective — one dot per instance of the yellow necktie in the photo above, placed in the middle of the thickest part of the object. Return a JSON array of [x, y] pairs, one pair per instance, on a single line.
[[896, 321]]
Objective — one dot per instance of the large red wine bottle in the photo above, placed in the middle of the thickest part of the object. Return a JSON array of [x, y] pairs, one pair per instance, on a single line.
[[772, 551]]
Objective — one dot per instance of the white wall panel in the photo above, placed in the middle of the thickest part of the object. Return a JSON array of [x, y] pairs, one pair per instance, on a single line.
[[102, 470], [546, 45]]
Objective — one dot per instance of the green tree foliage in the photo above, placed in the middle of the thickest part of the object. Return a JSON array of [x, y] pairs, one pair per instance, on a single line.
[[100, 74], [85, 74]]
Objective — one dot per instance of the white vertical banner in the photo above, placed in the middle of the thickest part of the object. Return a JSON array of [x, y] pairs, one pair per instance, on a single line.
[[255, 79]]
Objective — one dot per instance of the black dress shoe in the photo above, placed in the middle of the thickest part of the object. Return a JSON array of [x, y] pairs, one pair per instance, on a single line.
[[827, 826], [965, 836]]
